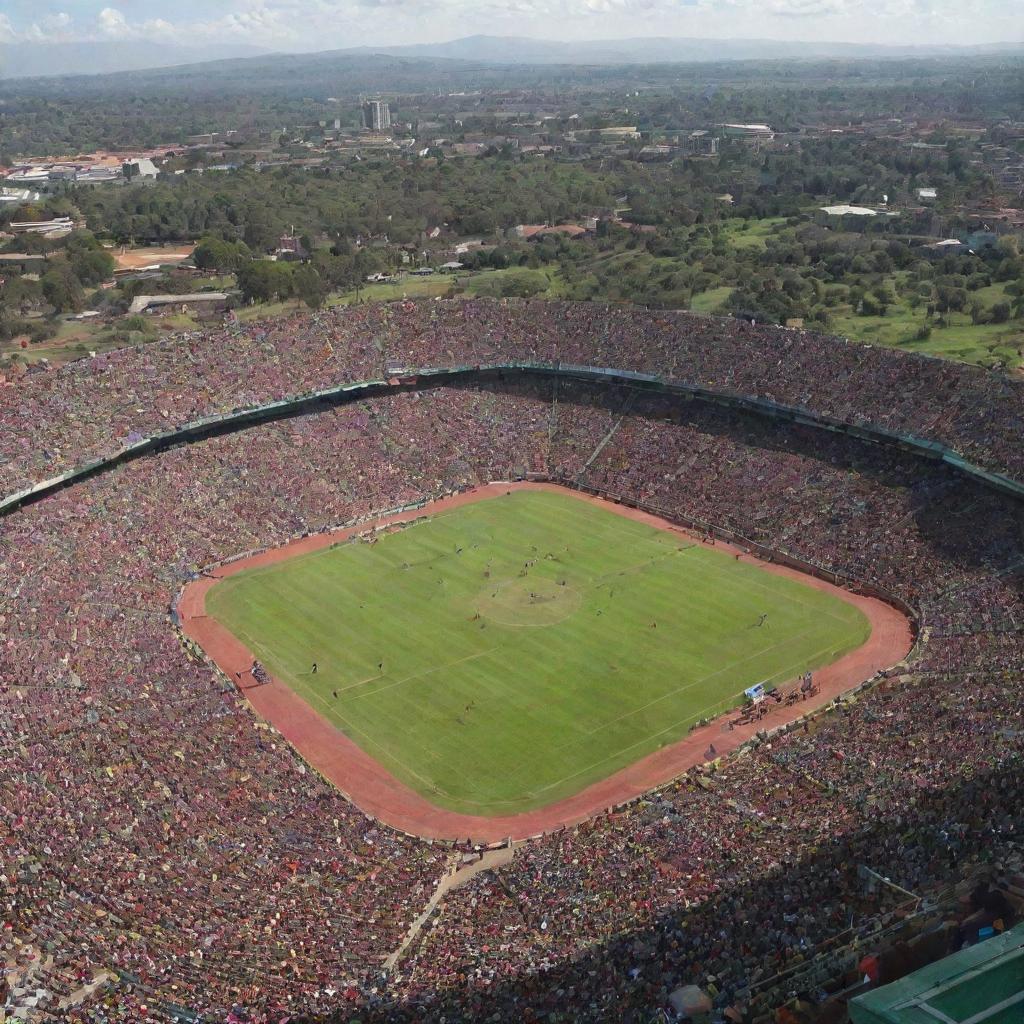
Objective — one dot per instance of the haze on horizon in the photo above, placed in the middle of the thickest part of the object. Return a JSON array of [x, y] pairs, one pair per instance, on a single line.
[[310, 25]]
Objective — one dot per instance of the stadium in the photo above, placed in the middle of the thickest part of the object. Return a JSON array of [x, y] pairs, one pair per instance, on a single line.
[[173, 852]]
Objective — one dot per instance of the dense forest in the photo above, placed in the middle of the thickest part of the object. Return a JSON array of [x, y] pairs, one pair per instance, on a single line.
[[485, 196]]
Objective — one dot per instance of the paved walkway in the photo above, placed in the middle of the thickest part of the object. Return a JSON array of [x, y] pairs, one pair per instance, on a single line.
[[455, 878]]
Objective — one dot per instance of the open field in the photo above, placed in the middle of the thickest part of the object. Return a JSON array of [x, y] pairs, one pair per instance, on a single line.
[[961, 340], [709, 301], [487, 691], [76, 339], [751, 234], [152, 255]]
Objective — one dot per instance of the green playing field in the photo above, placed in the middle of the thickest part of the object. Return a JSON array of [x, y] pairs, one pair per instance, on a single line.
[[508, 653]]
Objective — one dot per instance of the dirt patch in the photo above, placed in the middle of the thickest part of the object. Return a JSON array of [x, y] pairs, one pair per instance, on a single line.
[[133, 259], [378, 793], [528, 603]]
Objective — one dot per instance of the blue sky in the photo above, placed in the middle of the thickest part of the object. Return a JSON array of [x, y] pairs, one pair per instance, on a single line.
[[326, 24]]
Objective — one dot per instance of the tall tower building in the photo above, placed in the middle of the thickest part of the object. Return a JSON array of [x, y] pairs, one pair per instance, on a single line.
[[376, 115]]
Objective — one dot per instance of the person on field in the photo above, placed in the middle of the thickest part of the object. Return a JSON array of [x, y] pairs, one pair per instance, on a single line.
[[314, 668]]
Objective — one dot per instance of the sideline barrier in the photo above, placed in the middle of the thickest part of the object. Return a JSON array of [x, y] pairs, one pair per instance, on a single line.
[[416, 378]]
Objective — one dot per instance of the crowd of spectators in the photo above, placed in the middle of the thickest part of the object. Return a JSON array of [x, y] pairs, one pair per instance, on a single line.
[[52, 421], [162, 848]]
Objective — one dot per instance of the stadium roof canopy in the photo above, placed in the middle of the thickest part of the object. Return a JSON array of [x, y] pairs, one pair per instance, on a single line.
[[980, 985]]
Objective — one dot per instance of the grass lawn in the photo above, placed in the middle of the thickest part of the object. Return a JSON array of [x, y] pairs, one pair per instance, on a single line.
[[75, 339], [751, 234], [392, 291], [504, 655], [709, 301], [984, 344], [465, 282]]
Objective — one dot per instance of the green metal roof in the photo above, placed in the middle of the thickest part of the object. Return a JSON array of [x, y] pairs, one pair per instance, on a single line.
[[980, 985]]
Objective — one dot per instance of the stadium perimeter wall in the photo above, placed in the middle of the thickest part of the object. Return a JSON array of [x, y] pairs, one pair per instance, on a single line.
[[408, 378]]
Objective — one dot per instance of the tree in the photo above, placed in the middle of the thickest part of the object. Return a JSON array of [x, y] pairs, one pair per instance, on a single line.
[[263, 229], [218, 254], [1000, 313], [871, 306], [62, 289], [21, 294], [338, 271], [92, 266], [263, 280], [309, 286], [516, 283]]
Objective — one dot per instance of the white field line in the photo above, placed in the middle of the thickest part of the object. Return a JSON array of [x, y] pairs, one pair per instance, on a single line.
[[420, 675], [645, 739], [698, 682]]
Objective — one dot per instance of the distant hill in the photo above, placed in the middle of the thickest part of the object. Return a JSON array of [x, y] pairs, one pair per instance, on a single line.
[[473, 63], [291, 75], [25, 60], [640, 50]]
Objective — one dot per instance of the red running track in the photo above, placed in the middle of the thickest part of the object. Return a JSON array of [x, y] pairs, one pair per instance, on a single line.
[[379, 794]]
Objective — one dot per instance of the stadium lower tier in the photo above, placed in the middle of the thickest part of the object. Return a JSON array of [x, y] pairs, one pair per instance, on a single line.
[[163, 849]]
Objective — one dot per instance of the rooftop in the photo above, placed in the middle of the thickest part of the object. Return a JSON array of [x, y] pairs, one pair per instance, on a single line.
[[845, 210], [143, 302], [982, 985]]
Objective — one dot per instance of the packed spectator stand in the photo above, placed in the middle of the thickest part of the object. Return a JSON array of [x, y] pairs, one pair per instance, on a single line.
[[165, 855]]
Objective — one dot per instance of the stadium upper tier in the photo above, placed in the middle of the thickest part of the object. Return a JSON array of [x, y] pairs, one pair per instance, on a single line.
[[157, 835], [92, 408]]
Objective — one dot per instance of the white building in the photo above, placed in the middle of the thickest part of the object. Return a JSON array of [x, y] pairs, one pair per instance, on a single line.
[[747, 131], [29, 176], [849, 211], [16, 196], [376, 115], [98, 175], [55, 228], [142, 167]]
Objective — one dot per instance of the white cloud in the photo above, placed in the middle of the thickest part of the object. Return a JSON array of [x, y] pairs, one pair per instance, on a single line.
[[113, 23], [7, 33], [805, 8], [260, 23], [54, 28], [325, 24]]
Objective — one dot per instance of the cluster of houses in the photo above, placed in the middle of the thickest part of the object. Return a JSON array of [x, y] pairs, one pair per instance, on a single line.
[[94, 169]]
